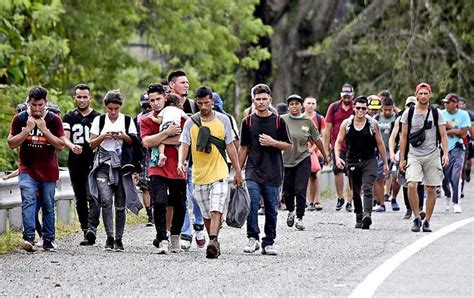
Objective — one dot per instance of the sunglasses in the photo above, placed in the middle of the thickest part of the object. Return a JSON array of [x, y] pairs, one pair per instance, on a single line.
[[361, 108], [82, 97]]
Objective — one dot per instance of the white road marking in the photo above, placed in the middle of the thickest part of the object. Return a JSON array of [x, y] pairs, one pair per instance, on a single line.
[[370, 284]]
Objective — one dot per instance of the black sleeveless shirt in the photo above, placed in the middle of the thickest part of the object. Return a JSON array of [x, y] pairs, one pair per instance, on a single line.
[[360, 144]]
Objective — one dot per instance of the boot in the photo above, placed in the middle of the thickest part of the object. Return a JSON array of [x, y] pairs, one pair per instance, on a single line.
[[358, 224]]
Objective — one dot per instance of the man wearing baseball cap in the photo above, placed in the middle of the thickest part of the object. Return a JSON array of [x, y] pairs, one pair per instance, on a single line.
[[337, 112], [423, 127], [457, 125]]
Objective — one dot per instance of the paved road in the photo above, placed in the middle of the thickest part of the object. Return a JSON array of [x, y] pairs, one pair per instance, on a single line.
[[329, 258]]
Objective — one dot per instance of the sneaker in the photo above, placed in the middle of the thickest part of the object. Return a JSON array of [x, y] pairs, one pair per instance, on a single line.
[[426, 226], [299, 224], [90, 236], [358, 224], [311, 207], [407, 214], [29, 245], [447, 204], [252, 246], [48, 245], [339, 204], [422, 214], [174, 244], [395, 206], [185, 244], [416, 225], [150, 222], [318, 206], [39, 244], [109, 244], [163, 246], [200, 239], [366, 221], [269, 250], [379, 208], [290, 221], [213, 249], [349, 207], [119, 245], [387, 198], [261, 211], [457, 208]]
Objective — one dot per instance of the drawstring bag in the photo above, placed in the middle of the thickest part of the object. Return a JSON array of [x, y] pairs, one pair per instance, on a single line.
[[239, 207]]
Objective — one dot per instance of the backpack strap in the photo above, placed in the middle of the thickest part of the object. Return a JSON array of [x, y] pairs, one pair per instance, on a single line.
[[335, 107], [128, 119], [193, 105], [278, 122], [435, 118], [196, 119], [101, 123], [231, 124], [411, 111]]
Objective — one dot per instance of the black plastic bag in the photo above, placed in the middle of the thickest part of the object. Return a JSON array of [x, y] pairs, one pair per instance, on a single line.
[[239, 207]]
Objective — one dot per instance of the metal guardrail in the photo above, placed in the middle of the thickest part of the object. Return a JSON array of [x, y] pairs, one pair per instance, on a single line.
[[10, 201], [10, 198]]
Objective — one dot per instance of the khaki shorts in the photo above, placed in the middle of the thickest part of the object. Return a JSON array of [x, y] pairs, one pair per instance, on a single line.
[[425, 169]]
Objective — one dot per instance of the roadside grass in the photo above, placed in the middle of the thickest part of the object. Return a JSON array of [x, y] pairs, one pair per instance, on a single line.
[[11, 240]]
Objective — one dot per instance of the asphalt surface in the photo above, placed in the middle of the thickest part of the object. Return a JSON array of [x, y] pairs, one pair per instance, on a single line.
[[329, 258]]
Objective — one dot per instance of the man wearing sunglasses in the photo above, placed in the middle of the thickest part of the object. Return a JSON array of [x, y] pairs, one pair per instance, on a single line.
[[423, 162], [362, 136], [77, 124]]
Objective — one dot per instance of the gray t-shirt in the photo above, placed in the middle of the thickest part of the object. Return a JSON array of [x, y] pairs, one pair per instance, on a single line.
[[429, 145]]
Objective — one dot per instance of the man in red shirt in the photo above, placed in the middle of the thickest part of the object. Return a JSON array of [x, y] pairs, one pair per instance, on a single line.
[[37, 133], [166, 185], [337, 112]]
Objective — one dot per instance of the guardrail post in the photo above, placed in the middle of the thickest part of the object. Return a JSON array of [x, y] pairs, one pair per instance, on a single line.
[[15, 218], [3, 221]]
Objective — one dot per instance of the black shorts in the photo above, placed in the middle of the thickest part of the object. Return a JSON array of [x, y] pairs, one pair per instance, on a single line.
[[166, 191], [335, 169]]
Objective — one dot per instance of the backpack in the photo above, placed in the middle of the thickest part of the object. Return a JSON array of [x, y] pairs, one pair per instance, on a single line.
[[128, 119], [219, 143], [411, 112], [371, 123], [248, 121]]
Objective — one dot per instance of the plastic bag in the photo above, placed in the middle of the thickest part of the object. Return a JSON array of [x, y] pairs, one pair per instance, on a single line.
[[239, 207], [315, 166]]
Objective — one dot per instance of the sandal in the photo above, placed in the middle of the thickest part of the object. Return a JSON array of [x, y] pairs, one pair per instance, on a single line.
[[318, 206]]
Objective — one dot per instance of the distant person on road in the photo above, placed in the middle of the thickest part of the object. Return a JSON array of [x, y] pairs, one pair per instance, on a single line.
[[38, 134], [77, 124], [337, 112], [297, 161], [107, 180], [457, 125], [209, 136], [314, 183], [263, 136], [362, 136], [423, 127]]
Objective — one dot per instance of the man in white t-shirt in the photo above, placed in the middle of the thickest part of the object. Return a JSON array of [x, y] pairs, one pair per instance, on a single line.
[[107, 135]]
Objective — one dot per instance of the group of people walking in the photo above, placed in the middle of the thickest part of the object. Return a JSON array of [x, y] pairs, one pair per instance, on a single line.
[[183, 150]]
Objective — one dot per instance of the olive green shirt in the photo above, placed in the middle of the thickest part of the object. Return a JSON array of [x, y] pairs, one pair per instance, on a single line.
[[301, 130]]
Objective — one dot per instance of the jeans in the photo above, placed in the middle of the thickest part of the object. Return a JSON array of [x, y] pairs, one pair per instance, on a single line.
[[79, 181], [198, 224], [159, 189], [362, 175], [29, 188], [295, 184], [452, 174], [270, 196], [110, 195]]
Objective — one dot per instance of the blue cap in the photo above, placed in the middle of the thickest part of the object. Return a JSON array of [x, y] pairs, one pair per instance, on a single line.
[[218, 103]]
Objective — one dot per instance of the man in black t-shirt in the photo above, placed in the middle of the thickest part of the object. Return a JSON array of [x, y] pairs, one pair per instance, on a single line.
[[77, 124], [263, 136]]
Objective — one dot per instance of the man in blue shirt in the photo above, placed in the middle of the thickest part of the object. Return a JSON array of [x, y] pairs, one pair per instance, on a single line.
[[457, 125]]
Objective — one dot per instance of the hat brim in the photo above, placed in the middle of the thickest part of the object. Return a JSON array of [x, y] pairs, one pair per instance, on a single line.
[[374, 107], [346, 94]]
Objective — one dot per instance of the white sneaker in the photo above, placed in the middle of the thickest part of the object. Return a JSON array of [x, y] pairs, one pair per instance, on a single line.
[[163, 247], [457, 208], [185, 244], [39, 244], [200, 239], [299, 224], [269, 250], [447, 204], [252, 246]]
